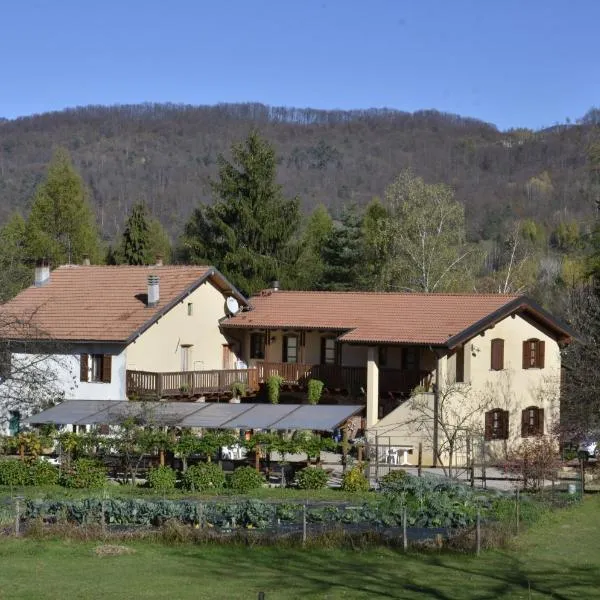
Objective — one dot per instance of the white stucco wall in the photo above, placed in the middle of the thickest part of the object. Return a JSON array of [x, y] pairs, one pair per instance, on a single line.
[[159, 348], [512, 388], [62, 375]]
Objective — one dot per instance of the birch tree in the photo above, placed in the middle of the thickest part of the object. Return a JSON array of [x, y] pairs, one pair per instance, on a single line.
[[425, 237]]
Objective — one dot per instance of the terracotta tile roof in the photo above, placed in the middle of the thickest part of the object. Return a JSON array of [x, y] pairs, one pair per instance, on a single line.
[[102, 303], [371, 316]]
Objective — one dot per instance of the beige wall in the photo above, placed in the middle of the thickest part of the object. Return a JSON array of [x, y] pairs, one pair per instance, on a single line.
[[512, 389], [160, 347]]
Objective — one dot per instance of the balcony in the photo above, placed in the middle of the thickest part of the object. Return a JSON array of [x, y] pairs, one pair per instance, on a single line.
[[337, 379]]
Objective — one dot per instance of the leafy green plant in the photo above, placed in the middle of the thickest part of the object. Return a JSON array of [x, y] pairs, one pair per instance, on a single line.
[[84, 473], [203, 477], [42, 472], [354, 480], [314, 390], [186, 444], [312, 444], [273, 386], [162, 479], [392, 479], [238, 389], [245, 479], [13, 472], [312, 478]]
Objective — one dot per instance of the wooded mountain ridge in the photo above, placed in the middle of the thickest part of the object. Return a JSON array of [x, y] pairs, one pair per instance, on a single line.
[[165, 155]]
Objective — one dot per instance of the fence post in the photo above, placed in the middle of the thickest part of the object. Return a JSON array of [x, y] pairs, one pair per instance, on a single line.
[[17, 515], [420, 459], [404, 536], [478, 534], [517, 508], [377, 458], [304, 524], [582, 476]]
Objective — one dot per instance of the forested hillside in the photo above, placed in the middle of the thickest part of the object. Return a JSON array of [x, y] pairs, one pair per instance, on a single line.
[[164, 156]]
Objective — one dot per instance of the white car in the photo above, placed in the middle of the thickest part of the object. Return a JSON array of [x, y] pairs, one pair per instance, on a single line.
[[590, 447]]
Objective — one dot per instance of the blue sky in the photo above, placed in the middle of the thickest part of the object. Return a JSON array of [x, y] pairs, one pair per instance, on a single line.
[[515, 63]]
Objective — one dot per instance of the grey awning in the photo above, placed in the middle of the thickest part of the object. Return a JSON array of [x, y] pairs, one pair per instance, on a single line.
[[210, 415]]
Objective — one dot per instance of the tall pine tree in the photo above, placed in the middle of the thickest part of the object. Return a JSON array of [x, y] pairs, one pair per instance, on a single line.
[[136, 237], [248, 231], [343, 253], [309, 266], [61, 225], [15, 274]]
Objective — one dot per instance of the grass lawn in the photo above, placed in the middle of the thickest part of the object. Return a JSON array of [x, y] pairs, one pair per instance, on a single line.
[[558, 558]]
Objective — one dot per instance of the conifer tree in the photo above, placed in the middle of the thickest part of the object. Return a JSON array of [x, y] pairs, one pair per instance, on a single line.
[[248, 231], [136, 237], [15, 274], [309, 266], [343, 253], [61, 226]]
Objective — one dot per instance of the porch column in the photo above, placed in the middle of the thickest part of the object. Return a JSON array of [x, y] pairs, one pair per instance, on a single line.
[[372, 387]]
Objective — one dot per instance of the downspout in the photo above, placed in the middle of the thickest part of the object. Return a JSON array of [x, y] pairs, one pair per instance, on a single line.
[[436, 408]]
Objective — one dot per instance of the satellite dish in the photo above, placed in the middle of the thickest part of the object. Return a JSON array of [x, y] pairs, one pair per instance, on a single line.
[[232, 304]]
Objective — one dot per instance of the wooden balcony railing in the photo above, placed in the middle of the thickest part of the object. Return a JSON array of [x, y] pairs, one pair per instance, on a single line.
[[351, 380], [189, 383]]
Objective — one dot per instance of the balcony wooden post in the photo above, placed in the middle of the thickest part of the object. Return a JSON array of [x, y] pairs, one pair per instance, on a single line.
[[159, 385], [372, 387]]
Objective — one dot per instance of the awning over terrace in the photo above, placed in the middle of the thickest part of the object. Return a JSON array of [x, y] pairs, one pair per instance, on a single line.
[[210, 415]]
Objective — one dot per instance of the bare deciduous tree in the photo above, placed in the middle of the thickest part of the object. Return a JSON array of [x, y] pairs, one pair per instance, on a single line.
[[31, 365]]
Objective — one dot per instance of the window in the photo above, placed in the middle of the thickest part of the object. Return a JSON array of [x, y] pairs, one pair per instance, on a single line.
[[14, 422], [497, 363], [532, 421], [383, 356], [290, 349], [460, 365], [496, 424], [95, 368], [533, 354], [190, 309], [329, 351], [410, 358], [257, 345]]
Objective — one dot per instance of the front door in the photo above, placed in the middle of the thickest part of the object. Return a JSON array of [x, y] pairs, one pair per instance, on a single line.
[[186, 357]]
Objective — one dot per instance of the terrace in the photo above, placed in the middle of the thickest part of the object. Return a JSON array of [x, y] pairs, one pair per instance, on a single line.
[[337, 379]]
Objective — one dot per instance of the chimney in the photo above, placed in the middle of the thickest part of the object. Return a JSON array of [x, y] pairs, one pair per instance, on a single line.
[[153, 290], [159, 260], [86, 260], [42, 272], [275, 286]]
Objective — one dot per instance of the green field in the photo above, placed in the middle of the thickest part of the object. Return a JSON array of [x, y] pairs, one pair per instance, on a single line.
[[558, 558]]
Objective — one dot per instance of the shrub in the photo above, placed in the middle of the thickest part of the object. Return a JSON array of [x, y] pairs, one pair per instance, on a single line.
[[238, 389], [85, 473], [536, 459], [245, 479], [42, 472], [203, 477], [273, 388], [311, 478], [162, 479], [13, 472], [354, 480], [393, 481], [315, 389]]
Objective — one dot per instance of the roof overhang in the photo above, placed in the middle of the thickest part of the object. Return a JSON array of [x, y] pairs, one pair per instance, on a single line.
[[524, 306]]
